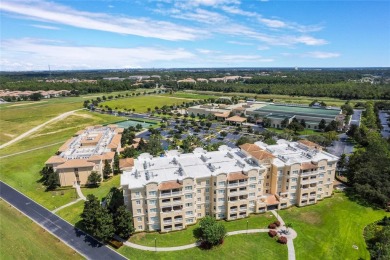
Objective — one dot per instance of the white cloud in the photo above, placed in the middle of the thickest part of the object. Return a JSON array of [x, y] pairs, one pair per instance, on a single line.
[[273, 23], [205, 51], [27, 54], [240, 43], [236, 10], [199, 15], [262, 48], [47, 27], [242, 58], [55, 13], [321, 55], [194, 3]]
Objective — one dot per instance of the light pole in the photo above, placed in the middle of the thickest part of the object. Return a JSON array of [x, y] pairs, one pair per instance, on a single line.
[[247, 223], [155, 244]]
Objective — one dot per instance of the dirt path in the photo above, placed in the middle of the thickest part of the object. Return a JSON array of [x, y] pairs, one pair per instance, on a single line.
[[62, 116]]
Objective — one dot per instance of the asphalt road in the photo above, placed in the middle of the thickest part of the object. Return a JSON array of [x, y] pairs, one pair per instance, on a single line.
[[73, 237], [355, 118]]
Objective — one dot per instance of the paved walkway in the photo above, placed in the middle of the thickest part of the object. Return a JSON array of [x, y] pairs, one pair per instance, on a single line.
[[30, 150], [62, 116], [290, 236], [79, 193], [66, 205]]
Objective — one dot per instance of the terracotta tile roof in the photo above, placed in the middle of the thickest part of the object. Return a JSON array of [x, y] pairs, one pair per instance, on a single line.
[[119, 130], [249, 147], [105, 156], [310, 144], [76, 163], [169, 185], [79, 132], [308, 166], [239, 108], [126, 163], [224, 115], [115, 142], [55, 159], [236, 119], [236, 176], [261, 155], [272, 200]]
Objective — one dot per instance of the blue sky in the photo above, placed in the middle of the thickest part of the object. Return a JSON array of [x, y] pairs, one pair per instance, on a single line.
[[110, 34]]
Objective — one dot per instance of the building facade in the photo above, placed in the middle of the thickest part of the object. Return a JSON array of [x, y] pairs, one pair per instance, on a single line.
[[169, 193], [86, 151]]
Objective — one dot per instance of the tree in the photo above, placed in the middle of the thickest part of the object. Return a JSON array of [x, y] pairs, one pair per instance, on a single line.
[[114, 199], [266, 122], [347, 109], [50, 178], [154, 146], [97, 220], [303, 123], [116, 164], [322, 124], [342, 162], [123, 223], [138, 126], [211, 232], [284, 123], [107, 170], [94, 178], [332, 126]]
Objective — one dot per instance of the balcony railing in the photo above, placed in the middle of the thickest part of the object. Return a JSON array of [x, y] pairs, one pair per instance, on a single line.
[[170, 194], [237, 184], [178, 219], [167, 221]]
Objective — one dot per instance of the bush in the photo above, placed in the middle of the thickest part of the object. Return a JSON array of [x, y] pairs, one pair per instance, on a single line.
[[277, 223], [282, 240], [272, 233], [272, 226]]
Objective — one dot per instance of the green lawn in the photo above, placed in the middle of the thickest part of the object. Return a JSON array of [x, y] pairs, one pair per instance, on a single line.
[[251, 246], [142, 103], [72, 213], [190, 95], [328, 229], [21, 238], [186, 236]]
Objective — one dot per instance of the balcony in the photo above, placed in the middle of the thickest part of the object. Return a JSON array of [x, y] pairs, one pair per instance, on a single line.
[[178, 219], [170, 193], [237, 183], [167, 221], [233, 210]]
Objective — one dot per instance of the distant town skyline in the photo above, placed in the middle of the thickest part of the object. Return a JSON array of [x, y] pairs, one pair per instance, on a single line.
[[111, 34]]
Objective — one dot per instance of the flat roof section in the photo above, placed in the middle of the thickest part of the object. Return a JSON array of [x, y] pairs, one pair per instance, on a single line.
[[283, 109]]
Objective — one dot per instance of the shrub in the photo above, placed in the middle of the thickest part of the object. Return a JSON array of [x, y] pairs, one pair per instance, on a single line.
[[272, 233], [282, 240], [277, 223], [272, 226]]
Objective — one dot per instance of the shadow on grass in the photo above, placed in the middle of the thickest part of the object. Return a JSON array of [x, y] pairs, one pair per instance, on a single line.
[[355, 197]]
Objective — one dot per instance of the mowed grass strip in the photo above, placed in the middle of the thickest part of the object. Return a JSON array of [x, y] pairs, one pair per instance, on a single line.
[[142, 103], [329, 229], [22, 171], [21, 238], [251, 246], [186, 236]]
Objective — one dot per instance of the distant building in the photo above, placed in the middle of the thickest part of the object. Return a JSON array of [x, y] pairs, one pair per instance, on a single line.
[[87, 151]]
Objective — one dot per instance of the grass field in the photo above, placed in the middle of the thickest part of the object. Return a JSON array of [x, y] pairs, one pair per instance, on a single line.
[[251, 246], [328, 229], [21, 238], [142, 103]]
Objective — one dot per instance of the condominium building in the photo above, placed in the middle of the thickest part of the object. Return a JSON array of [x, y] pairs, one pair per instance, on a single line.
[[171, 192], [85, 152]]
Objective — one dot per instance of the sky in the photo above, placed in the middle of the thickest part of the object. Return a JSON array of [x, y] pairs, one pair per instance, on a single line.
[[119, 34]]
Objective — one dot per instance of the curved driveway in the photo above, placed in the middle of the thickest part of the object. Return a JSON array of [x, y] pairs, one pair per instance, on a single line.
[[84, 244]]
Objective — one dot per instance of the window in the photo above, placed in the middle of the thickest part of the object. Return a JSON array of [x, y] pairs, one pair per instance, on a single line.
[[280, 172], [140, 227], [295, 172], [319, 189], [207, 198], [293, 179], [329, 172], [252, 202], [188, 205], [138, 211], [328, 179], [318, 196], [199, 182], [267, 176], [322, 168], [199, 199], [252, 194], [252, 179], [221, 191], [330, 164], [138, 202], [259, 189], [220, 215], [137, 193], [321, 175], [153, 210], [152, 193], [292, 195], [188, 188], [207, 182], [152, 202], [153, 219], [320, 182], [279, 186], [189, 213], [259, 182], [199, 207], [189, 220], [221, 207], [221, 199], [207, 189], [293, 187], [267, 184], [221, 183], [139, 219], [188, 196], [199, 215], [252, 186], [199, 190]]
